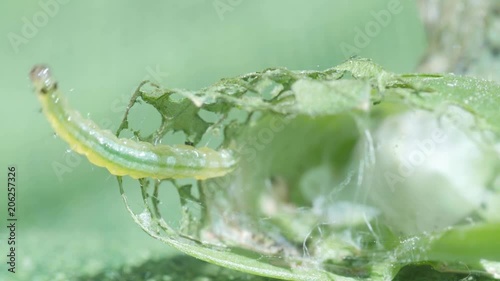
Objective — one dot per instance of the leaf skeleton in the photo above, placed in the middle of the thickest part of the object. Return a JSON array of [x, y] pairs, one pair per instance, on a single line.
[[121, 156]]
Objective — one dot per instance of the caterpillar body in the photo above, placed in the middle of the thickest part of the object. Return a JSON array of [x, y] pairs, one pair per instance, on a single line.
[[121, 156]]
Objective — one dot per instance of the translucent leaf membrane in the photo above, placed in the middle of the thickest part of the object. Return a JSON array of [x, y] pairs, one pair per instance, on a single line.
[[351, 173]]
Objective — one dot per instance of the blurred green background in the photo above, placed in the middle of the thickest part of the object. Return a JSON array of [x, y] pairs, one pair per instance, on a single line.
[[71, 220]]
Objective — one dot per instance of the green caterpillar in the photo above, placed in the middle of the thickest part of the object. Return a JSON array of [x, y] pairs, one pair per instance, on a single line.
[[124, 156]]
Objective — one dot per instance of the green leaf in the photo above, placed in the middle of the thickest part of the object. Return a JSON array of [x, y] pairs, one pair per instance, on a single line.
[[322, 191]]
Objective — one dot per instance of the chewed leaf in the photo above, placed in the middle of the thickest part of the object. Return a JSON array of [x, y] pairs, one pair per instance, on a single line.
[[351, 173]]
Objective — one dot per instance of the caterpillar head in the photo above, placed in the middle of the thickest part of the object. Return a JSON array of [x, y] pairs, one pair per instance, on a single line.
[[42, 80]]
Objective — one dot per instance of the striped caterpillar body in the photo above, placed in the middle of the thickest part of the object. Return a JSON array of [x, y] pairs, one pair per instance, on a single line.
[[121, 156]]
